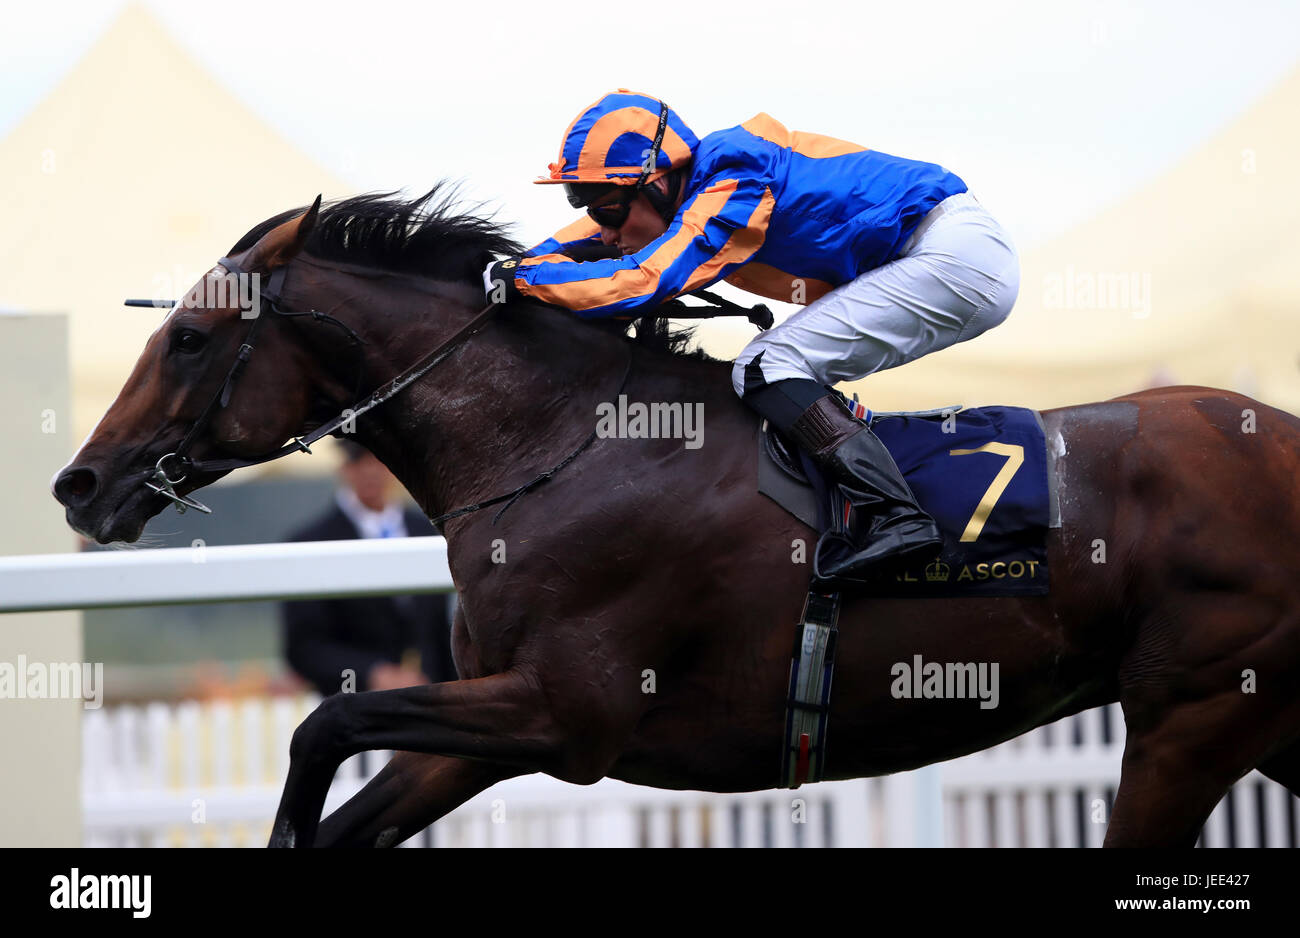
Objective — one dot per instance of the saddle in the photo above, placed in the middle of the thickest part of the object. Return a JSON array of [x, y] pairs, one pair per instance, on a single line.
[[983, 474]]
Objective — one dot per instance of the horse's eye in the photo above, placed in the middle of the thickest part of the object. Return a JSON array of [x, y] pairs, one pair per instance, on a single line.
[[188, 341]]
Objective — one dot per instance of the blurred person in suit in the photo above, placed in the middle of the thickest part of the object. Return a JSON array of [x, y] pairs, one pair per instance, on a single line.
[[377, 642]]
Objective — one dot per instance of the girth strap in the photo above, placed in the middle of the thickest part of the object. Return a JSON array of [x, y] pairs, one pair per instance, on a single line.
[[807, 705]]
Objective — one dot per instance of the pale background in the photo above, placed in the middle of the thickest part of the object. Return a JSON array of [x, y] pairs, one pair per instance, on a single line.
[[1149, 145], [1153, 145]]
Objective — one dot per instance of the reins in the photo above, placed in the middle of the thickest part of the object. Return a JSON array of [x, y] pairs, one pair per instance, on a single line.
[[178, 461]]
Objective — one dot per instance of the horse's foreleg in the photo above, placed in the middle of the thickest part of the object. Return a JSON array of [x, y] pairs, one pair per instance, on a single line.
[[410, 793], [503, 719]]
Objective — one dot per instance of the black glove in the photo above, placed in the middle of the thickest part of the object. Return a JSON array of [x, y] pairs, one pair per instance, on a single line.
[[499, 280]]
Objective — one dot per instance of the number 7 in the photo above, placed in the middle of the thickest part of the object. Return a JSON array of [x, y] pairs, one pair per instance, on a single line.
[[1015, 455]]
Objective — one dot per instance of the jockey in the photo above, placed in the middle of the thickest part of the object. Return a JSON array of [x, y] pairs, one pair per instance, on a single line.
[[892, 259]]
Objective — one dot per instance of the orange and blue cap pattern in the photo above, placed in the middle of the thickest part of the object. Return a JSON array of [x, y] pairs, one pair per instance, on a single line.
[[610, 141]]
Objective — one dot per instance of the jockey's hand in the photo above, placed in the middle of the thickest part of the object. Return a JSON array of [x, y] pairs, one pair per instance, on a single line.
[[761, 316], [499, 280]]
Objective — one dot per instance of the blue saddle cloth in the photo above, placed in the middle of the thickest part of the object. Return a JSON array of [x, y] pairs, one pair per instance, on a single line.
[[983, 474]]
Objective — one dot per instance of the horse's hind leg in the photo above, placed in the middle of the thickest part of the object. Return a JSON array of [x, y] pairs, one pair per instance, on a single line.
[[1166, 793], [410, 793], [1207, 692]]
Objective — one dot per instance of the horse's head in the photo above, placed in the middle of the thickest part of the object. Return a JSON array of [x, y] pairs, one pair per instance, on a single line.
[[180, 375]]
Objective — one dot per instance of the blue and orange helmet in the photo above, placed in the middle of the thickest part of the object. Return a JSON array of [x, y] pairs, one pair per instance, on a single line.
[[624, 139]]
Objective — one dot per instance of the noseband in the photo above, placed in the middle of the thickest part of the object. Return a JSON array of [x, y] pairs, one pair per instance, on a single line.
[[175, 467]]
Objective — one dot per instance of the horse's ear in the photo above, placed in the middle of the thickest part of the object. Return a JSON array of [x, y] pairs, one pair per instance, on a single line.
[[282, 243]]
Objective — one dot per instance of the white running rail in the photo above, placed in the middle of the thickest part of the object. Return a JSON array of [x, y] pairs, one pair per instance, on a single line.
[[210, 775], [201, 574]]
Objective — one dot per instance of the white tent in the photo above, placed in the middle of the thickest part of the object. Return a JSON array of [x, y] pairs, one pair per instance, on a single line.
[[139, 163], [1194, 279], [130, 179]]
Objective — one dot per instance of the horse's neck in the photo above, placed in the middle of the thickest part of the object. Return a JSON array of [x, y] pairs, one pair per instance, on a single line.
[[508, 403]]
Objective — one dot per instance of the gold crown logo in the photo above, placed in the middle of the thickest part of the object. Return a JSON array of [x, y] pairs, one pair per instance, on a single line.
[[937, 572]]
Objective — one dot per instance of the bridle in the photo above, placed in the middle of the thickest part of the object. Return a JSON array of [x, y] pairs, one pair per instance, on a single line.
[[175, 467]]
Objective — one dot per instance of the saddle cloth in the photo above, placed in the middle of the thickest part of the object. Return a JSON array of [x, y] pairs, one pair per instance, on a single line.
[[983, 474]]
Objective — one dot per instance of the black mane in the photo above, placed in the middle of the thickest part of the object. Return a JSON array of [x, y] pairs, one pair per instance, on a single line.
[[429, 237]]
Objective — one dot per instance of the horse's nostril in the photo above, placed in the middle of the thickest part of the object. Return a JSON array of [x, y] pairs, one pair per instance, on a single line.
[[75, 487]]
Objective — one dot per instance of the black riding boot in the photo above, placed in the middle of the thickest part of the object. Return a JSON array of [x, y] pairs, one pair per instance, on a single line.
[[892, 528]]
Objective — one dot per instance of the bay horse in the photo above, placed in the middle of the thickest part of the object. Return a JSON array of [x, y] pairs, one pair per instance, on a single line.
[[1175, 571]]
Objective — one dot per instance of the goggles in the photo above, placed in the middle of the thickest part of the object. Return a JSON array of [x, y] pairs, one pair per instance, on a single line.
[[607, 204]]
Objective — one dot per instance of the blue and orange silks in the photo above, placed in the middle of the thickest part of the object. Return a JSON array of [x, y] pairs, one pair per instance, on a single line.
[[785, 215], [611, 141]]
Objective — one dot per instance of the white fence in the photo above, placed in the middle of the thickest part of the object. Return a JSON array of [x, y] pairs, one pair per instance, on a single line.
[[210, 775], [1055, 785]]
